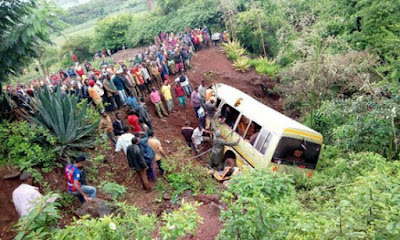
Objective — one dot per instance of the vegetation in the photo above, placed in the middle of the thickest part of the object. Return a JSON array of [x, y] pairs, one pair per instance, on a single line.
[[61, 115], [40, 222], [24, 26], [242, 64], [183, 177], [115, 190], [181, 222], [26, 146]]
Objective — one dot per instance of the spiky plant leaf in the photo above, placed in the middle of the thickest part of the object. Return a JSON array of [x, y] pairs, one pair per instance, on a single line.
[[61, 115]]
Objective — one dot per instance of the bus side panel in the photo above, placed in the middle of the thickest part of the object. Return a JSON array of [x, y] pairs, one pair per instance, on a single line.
[[244, 149]]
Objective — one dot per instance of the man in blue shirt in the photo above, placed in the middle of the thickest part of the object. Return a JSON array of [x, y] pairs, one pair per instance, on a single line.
[[73, 175], [148, 154], [132, 101]]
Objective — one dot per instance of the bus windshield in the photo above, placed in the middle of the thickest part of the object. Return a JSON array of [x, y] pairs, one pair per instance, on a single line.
[[296, 152]]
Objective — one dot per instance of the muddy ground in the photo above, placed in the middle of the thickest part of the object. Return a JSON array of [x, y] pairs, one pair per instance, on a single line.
[[210, 64]]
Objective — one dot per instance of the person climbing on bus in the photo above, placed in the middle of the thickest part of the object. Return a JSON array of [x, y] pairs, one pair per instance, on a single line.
[[217, 151]]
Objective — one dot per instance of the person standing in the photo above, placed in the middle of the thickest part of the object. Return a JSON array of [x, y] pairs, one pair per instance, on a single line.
[[95, 95], [211, 109], [106, 126], [155, 144], [148, 155], [119, 83], [118, 125], [180, 93], [202, 116], [133, 121], [184, 81], [217, 151], [195, 101], [137, 162], [202, 93], [144, 113], [166, 91], [187, 132], [133, 102], [197, 137], [156, 100], [111, 92], [73, 175], [123, 142]]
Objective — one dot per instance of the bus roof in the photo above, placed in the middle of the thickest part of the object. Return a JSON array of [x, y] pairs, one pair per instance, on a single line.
[[258, 112]]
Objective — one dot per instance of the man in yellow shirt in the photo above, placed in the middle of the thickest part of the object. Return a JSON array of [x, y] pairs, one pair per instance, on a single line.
[[155, 144], [166, 91]]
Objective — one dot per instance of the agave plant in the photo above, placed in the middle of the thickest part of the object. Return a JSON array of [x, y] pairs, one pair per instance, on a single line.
[[265, 66], [231, 46], [65, 120], [242, 64]]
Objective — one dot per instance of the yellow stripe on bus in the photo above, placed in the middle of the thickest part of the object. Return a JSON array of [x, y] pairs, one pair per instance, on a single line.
[[317, 137]]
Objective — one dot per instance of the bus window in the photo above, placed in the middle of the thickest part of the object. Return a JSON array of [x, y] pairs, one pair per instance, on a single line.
[[297, 152], [263, 141], [229, 115], [245, 127]]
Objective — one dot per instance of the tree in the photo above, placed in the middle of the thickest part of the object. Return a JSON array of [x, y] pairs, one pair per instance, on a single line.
[[110, 32], [82, 46], [25, 25]]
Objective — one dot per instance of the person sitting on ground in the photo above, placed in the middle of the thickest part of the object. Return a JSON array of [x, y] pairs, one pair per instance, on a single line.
[[106, 126], [137, 162], [156, 100], [118, 125], [133, 121], [26, 196], [198, 138], [123, 142], [155, 144], [73, 175], [229, 170], [217, 151]]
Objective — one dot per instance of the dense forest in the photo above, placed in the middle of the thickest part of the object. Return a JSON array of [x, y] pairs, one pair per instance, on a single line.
[[336, 65]]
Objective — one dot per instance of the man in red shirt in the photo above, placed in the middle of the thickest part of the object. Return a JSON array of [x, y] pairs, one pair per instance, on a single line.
[[133, 121]]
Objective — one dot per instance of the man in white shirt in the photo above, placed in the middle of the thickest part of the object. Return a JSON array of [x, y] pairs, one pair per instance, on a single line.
[[26, 196], [123, 142], [198, 138]]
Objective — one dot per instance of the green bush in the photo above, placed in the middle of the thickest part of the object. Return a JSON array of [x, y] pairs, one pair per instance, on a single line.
[[82, 46], [115, 190], [130, 224], [41, 221], [181, 222], [111, 32], [189, 176], [260, 203], [265, 66], [26, 145], [62, 117]]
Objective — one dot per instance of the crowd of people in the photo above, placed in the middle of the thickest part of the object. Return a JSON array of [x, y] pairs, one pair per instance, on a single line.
[[115, 89]]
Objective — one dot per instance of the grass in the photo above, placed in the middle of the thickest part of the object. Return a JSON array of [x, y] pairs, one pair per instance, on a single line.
[[87, 28]]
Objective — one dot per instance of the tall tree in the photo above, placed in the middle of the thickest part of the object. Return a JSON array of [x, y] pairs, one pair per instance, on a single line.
[[24, 26]]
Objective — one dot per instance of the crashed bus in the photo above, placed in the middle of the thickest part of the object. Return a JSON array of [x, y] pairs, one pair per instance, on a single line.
[[268, 138]]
